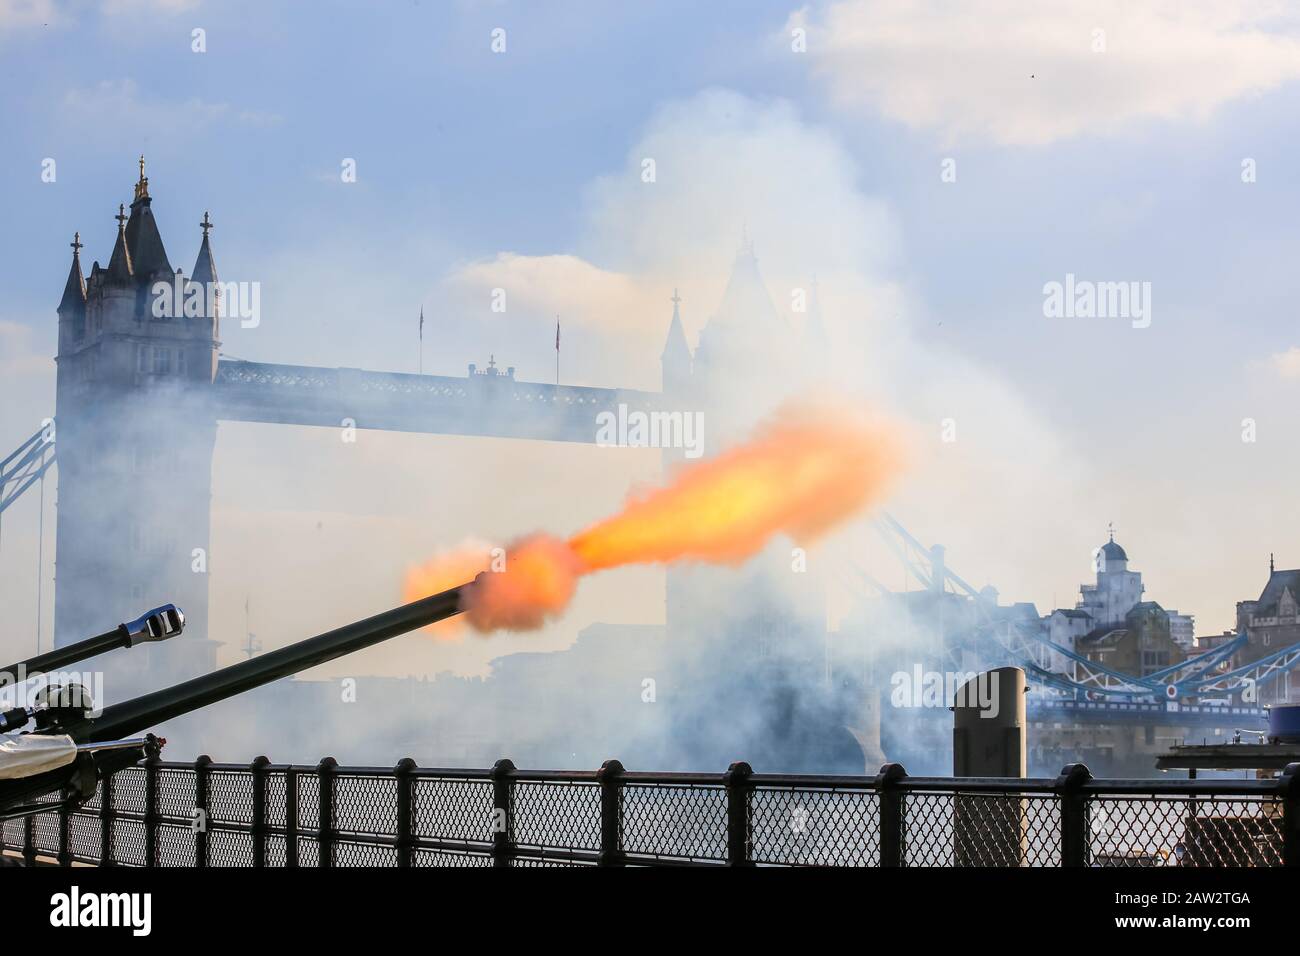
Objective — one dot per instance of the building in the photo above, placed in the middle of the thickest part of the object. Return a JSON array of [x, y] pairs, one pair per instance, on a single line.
[[1182, 627], [1116, 591], [1112, 626], [1272, 623], [1142, 646]]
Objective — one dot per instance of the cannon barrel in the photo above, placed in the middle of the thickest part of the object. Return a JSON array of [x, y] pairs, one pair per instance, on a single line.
[[133, 716], [156, 625]]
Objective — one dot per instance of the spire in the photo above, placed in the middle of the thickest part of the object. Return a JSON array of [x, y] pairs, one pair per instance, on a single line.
[[1270, 562], [205, 267], [676, 356], [119, 264], [74, 292], [675, 346], [142, 186], [148, 257]]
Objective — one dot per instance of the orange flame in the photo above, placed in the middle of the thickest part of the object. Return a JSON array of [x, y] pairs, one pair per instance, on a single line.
[[803, 472]]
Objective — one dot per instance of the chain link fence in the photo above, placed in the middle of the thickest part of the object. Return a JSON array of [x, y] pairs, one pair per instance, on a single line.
[[222, 815]]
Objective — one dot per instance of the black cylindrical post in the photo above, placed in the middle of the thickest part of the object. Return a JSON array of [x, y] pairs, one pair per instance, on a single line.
[[151, 811], [260, 781], [325, 771], [736, 780], [29, 840], [893, 820], [503, 828], [611, 789], [202, 812], [106, 817], [291, 817], [1074, 814], [405, 774], [1289, 788], [65, 852]]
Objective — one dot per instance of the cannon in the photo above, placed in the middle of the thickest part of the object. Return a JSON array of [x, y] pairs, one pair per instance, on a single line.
[[58, 764]]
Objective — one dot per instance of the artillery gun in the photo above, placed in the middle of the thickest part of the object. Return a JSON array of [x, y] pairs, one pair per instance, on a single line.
[[71, 746]]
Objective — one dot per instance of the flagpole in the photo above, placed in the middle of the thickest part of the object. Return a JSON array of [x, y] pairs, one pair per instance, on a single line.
[[421, 347], [557, 351]]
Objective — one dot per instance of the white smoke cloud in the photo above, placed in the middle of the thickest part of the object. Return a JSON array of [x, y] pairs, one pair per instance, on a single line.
[[1033, 73], [727, 163]]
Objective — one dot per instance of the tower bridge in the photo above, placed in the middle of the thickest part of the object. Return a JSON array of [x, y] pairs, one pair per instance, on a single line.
[[133, 506]]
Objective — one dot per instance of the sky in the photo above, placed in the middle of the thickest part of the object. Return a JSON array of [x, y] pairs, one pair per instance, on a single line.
[[930, 166]]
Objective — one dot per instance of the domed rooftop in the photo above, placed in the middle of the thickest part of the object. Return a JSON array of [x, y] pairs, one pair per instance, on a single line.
[[1113, 552]]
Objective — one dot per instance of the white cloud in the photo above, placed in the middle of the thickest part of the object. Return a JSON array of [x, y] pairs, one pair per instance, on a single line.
[[1027, 73], [725, 164], [560, 284], [20, 14], [1287, 364], [119, 104]]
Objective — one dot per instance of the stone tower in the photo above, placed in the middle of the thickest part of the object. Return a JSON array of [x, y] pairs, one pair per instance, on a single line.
[[135, 435]]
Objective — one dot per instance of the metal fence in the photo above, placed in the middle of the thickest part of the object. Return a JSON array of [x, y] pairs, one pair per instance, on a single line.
[[264, 814]]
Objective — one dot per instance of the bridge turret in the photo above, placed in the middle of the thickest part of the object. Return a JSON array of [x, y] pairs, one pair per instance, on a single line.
[[675, 359], [205, 266], [120, 271], [148, 257], [135, 437], [72, 307]]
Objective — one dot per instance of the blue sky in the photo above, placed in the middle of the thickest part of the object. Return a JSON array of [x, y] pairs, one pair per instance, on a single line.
[[476, 169]]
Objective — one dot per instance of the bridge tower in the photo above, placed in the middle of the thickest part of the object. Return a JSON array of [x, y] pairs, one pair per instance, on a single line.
[[135, 435], [679, 395]]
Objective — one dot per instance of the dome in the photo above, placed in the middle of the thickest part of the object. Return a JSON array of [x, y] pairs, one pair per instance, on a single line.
[[1113, 552]]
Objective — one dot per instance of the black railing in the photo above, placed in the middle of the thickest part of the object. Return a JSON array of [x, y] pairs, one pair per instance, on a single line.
[[264, 814]]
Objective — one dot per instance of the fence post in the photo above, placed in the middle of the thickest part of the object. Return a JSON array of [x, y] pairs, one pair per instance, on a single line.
[[502, 823], [1288, 786], [609, 774], [1074, 813], [736, 780], [29, 840], [893, 824], [106, 822], [151, 811], [405, 842], [325, 770], [291, 817], [203, 814], [260, 783], [65, 852]]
